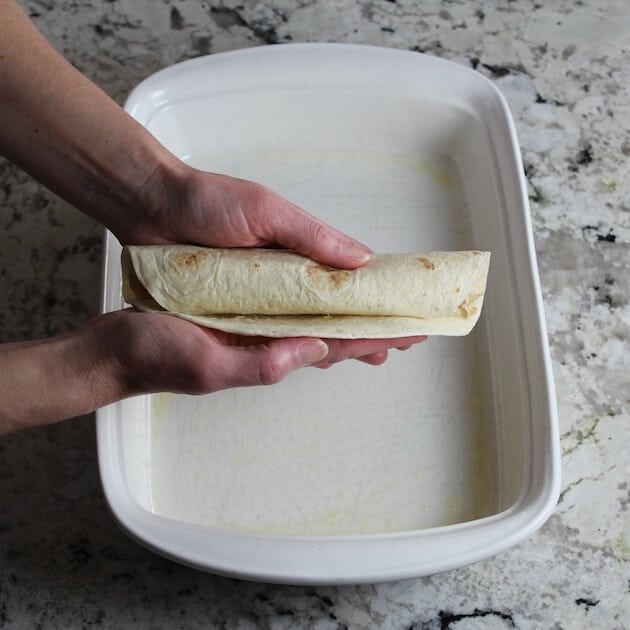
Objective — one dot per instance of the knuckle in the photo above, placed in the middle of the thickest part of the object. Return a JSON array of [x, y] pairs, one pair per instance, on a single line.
[[318, 233], [258, 196], [201, 381], [270, 372], [314, 237], [259, 205], [200, 376]]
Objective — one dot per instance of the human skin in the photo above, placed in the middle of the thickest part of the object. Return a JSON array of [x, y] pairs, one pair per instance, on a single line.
[[66, 132]]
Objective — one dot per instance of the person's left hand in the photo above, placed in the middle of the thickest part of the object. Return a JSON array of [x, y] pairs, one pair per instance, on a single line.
[[153, 352]]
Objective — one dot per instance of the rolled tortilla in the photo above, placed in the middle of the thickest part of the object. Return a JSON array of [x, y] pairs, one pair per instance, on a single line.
[[276, 293]]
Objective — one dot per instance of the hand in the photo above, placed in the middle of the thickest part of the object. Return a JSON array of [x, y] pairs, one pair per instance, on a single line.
[[180, 204], [126, 353], [154, 352]]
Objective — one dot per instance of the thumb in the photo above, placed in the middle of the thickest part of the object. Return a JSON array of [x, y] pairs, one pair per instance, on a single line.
[[288, 225], [266, 364]]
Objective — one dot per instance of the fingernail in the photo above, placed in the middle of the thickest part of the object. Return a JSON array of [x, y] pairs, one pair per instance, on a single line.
[[312, 351], [359, 252]]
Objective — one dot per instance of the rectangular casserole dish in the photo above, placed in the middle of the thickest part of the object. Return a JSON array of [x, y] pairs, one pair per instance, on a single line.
[[445, 455]]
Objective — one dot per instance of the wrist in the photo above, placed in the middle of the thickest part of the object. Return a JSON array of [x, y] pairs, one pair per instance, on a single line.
[[128, 182], [115, 348], [146, 219]]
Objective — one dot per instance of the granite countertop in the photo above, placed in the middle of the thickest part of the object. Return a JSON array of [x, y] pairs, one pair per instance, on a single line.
[[565, 72]]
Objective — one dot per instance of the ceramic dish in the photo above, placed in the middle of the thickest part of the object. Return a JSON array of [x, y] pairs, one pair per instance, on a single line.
[[445, 455]]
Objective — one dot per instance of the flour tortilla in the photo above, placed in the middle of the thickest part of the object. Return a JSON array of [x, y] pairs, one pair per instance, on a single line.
[[275, 293]]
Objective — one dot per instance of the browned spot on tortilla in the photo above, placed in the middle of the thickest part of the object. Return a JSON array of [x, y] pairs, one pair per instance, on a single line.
[[255, 265], [466, 309], [456, 289], [476, 253], [337, 277], [190, 259], [426, 263]]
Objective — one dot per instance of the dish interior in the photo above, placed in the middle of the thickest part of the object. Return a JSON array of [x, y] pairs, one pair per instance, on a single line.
[[433, 437]]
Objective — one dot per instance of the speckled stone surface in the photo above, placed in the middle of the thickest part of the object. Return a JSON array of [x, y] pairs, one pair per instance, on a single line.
[[564, 68]]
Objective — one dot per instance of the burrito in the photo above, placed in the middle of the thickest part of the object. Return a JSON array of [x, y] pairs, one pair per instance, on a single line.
[[277, 293]]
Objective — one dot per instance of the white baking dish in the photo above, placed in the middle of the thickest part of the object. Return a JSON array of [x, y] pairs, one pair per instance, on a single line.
[[448, 453]]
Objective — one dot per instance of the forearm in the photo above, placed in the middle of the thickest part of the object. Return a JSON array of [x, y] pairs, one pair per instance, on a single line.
[[49, 380], [66, 132]]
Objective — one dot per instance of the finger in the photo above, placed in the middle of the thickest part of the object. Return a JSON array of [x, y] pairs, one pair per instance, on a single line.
[[342, 349], [377, 358], [240, 366], [403, 347], [285, 223]]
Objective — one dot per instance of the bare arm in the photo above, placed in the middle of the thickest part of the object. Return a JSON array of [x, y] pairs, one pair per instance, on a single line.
[[48, 380], [65, 131]]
